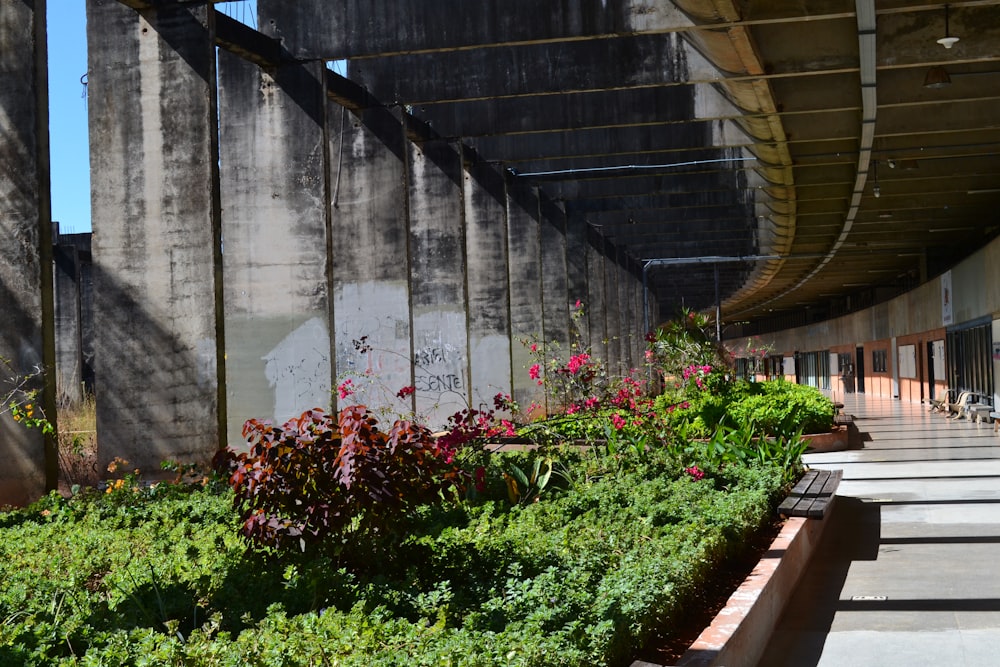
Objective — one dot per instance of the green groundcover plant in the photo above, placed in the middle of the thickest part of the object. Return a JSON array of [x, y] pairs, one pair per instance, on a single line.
[[580, 573], [340, 540]]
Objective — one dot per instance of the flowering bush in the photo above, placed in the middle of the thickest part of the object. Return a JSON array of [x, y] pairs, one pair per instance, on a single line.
[[684, 342], [313, 478], [584, 400]]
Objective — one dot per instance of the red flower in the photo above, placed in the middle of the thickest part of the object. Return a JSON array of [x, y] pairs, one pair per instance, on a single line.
[[405, 391], [534, 372], [346, 388]]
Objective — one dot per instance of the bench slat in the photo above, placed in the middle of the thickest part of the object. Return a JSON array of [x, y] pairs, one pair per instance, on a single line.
[[812, 495]]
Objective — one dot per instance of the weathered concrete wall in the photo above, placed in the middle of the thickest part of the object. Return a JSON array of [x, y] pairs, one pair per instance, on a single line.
[[274, 222], [612, 310], [324, 29], [435, 206], [555, 287], [68, 295], [577, 279], [486, 284], [156, 247], [371, 271], [25, 240], [525, 286], [597, 291]]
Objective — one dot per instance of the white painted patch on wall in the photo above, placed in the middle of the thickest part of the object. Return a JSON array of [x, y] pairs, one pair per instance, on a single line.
[[491, 369], [377, 312], [298, 369]]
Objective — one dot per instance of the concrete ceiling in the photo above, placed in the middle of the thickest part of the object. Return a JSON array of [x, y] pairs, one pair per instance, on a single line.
[[744, 138]]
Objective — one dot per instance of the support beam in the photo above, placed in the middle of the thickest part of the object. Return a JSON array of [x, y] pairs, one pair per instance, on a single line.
[[155, 202], [371, 273], [438, 302], [525, 288], [487, 282], [328, 30], [640, 61], [275, 265], [26, 333]]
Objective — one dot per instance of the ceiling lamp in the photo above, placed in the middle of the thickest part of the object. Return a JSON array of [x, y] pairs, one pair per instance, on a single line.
[[947, 41], [876, 190], [937, 77]]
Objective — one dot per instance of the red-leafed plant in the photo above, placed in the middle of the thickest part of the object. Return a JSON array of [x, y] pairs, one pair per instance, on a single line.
[[311, 478]]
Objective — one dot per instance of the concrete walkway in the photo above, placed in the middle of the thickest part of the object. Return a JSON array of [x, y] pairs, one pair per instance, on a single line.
[[908, 570]]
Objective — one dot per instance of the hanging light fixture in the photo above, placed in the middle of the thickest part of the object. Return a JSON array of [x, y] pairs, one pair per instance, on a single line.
[[947, 41], [876, 190]]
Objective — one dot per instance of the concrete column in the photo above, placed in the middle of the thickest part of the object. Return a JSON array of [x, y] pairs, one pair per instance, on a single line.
[[369, 240], [487, 284], [525, 280], [68, 321], [437, 280], [577, 278], [274, 194], [555, 288], [612, 308], [154, 180], [626, 315], [29, 463], [597, 294]]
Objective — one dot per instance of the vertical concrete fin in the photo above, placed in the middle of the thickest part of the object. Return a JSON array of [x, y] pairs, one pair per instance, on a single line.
[[274, 192], [154, 184], [487, 283], [437, 280], [27, 332]]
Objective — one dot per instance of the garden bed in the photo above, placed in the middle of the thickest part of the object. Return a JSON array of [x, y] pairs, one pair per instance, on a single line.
[[583, 576]]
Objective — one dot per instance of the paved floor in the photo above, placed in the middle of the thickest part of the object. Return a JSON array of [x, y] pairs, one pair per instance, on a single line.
[[908, 570]]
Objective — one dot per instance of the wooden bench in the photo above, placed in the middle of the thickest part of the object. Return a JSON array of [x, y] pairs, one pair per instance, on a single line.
[[812, 495], [843, 419]]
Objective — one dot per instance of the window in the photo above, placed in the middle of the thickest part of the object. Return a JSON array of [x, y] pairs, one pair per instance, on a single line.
[[879, 361]]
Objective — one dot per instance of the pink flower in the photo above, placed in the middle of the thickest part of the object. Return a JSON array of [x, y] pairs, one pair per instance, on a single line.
[[573, 409], [346, 388], [534, 347], [535, 371], [578, 303], [695, 472], [591, 402], [617, 421], [508, 428], [577, 362], [405, 391]]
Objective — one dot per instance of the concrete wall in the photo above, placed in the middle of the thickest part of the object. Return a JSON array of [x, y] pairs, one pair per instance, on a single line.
[[370, 259], [525, 287], [490, 370], [309, 255], [274, 226], [154, 181], [25, 242], [435, 207]]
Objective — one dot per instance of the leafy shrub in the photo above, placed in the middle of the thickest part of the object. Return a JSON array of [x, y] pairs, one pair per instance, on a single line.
[[582, 577], [309, 479], [784, 408]]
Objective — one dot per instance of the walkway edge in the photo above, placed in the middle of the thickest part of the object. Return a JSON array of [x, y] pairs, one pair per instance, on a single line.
[[739, 633]]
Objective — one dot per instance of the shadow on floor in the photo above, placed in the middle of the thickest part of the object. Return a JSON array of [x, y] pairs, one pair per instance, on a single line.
[[852, 535]]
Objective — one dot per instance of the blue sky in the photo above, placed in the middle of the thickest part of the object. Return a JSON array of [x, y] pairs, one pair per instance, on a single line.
[[70, 158]]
